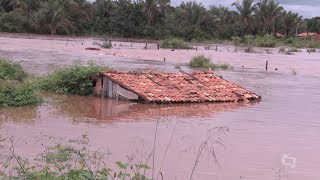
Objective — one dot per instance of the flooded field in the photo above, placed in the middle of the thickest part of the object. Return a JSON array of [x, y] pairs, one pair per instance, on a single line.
[[256, 137]]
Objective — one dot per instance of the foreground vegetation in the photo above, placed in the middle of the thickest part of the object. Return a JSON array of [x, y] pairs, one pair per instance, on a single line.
[[156, 19], [69, 161], [205, 62]]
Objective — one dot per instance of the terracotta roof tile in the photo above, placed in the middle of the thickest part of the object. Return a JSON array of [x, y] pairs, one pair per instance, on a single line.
[[173, 87]]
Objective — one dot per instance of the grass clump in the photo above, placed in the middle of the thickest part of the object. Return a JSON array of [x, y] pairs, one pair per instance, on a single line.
[[174, 43], [16, 95], [10, 70], [75, 79], [204, 62]]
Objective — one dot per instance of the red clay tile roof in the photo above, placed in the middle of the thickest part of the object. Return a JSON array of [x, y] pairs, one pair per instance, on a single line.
[[173, 87], [305, 34]]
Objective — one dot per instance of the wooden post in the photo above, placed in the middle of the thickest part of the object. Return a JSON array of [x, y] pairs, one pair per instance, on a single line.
[[196, 48], [267, 65], [216, 48], [146, 47], [164, 59], [158, 46]]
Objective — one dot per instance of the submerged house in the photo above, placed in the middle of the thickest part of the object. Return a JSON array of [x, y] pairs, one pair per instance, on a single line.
[[161, 87]]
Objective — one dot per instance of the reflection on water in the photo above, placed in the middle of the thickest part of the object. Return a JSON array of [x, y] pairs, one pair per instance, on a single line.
[[102, 110], [111, 110], [25, 115]]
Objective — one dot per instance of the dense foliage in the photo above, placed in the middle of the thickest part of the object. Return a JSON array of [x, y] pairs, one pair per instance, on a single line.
[[75, 79], [155, 19]]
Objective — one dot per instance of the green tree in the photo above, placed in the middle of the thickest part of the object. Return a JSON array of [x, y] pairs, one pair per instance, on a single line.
[[290, 21], [267, 13], [245, 9]]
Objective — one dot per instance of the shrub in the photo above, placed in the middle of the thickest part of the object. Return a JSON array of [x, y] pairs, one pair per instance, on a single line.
[[174, 43], [204, 62], [294, 50], [16, 95], [282, 50], [265, 41], [75, 79], [249, 42], [236, 41], [10, 70], [106, 45], [311, 50]]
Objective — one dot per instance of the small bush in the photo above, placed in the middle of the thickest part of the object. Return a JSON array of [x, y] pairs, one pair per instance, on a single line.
[[16, 95], [311, 50], [265, 41], [282, 50], [294, 50], [249, 42], [249, 49], [236, 41], [204, 62], [74, 79], [106, 45], [174, 43], [10, 70]]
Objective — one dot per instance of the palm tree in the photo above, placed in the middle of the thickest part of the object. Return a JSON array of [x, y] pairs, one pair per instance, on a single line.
[[163, 6], [246, 8], [8, 5], [29, 6], [193, 12], [52, 16], [268, 11], [150, 9], [290, 21]]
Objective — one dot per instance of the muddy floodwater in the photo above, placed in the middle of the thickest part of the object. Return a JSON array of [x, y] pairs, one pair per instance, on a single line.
[[276, 138]]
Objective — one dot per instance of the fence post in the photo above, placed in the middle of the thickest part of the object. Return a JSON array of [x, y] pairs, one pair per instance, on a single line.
[[267, 65]]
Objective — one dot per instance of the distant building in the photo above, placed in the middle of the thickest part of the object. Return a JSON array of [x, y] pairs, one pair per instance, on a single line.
[[314, 36]]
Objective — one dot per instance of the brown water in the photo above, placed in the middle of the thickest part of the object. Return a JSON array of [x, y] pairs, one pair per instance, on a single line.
[[256, 135]]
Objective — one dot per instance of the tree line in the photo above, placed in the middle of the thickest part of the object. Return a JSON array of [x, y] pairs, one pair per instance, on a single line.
[[155, 19]]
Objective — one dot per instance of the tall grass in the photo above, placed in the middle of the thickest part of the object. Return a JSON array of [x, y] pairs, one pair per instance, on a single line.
[[174, 43], [75, 79]]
